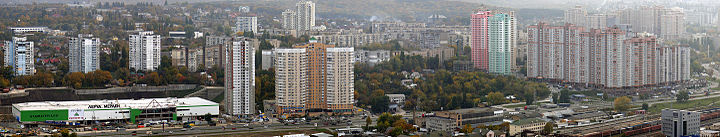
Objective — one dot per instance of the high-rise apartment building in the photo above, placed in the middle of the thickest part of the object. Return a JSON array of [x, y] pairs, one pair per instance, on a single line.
[[667, 23], [554, 52], [340, 92], [288, 17], [240, 78], [673, 64], [246, 24], [328, 78], [672, 24], [576, 15], [502, 43], [301, 18], [84, 53], [493, 41], [480, 39], [678, 123], [317, 73], [614, 57], [144, 51], [604, 58], [641, 61], [20, 55], [291, 84], [305, 15], [596, 21]]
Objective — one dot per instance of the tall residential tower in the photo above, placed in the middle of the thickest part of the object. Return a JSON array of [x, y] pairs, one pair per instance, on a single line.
[[493, 41], [84, 52], [240, 78], [301, 18], [19, 54], [314, 77], [144, 51]]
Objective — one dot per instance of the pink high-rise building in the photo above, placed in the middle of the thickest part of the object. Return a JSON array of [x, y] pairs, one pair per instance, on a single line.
[[480, 39]]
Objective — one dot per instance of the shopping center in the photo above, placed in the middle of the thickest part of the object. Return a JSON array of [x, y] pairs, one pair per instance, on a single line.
[[122, 110]]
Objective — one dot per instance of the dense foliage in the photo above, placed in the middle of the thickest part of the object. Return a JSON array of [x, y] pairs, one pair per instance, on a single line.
[[437, 90]]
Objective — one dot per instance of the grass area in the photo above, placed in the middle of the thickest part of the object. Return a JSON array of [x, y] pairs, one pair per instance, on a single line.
[[715, 88], [323, 130], [708, 102]]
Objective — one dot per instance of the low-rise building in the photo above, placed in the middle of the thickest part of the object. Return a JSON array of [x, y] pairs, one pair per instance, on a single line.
[[269, 107], [442, 53], [132, 110], [372, 57], [29, 29], [440, 124], [396, 98], [677, 123], [473, 116], [530, 124]]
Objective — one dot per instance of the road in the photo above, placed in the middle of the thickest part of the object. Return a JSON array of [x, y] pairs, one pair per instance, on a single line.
[[224, 129]]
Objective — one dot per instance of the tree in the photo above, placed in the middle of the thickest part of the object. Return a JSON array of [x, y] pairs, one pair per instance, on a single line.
[[645, 106], [622, 103], [529, 97], [208, 117], [380, 104], [153, 78], [564, 96], [98, 78], [368, 121], [682, 96], [495, 98], [467, 129], [74, 79], [4, 83], [548, 127]]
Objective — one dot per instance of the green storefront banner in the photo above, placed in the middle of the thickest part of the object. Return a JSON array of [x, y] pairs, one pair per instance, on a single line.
[[43, 115]]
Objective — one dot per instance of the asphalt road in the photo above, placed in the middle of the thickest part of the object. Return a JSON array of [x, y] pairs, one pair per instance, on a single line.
[[219, 130]]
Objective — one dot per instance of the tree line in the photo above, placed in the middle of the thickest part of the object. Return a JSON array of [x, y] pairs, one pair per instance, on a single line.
[[438, 90]]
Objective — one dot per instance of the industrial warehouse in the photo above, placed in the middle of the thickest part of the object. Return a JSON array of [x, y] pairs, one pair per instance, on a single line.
[[125, 110]]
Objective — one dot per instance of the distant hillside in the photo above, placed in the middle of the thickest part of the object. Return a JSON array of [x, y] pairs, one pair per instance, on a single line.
[[537, 4], [381, 9], [457, 11]]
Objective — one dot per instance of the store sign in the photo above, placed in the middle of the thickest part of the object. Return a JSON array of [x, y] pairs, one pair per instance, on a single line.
[[43, 115], [105, 106], [76, 114]]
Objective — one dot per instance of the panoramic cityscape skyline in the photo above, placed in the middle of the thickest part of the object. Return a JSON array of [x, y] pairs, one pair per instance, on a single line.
[[297, 68]]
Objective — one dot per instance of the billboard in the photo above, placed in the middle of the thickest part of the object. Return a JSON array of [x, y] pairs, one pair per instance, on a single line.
[[76, 114], [43, 115]]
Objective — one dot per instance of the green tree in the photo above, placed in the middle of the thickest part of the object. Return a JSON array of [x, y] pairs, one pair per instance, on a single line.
[[380, 104], [153, 78], [208, 117], [622, 103], [682, 96], [368, 121], [645, 106], [4, 83], [564, 96], [548, 127], [529, 97], [495, 98]]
